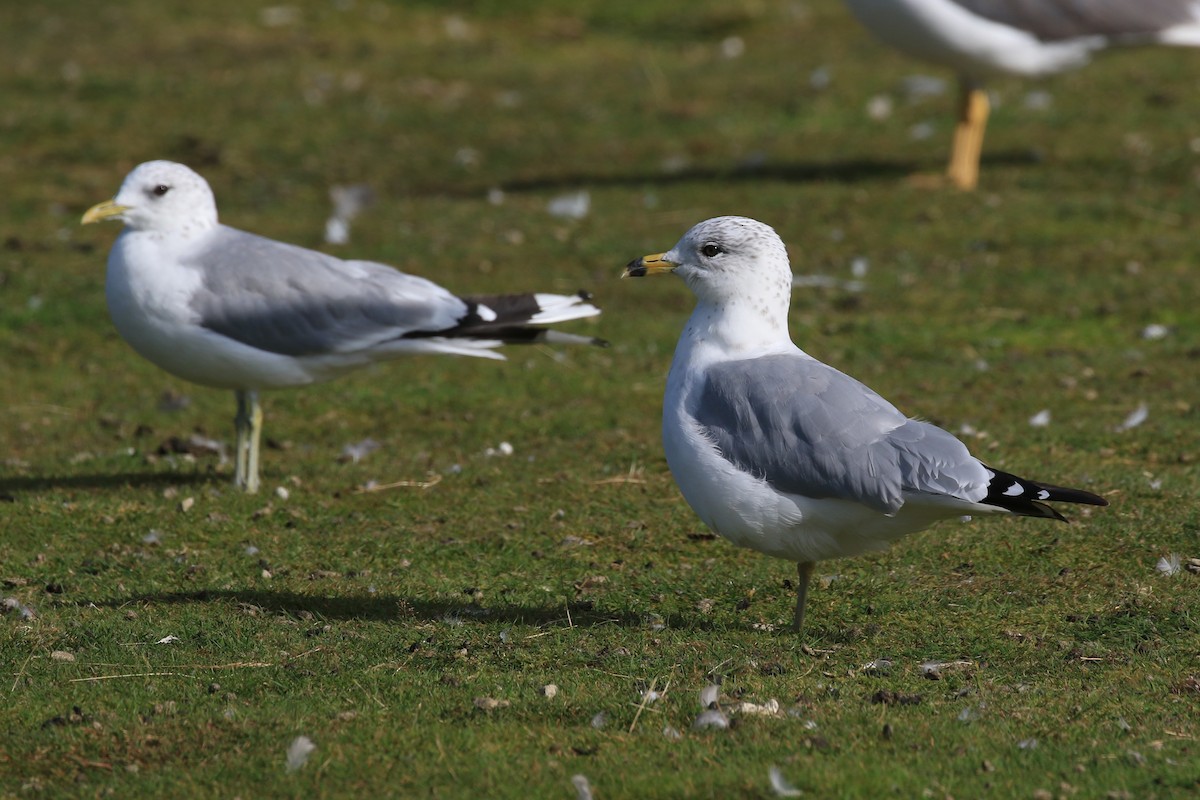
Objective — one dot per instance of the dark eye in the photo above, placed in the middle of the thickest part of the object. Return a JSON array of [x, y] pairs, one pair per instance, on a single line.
[[161, 189], [710, 250]]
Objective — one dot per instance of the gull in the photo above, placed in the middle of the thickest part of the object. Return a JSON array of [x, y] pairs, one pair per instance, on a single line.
[[783, 454], [221, 307], [980, 38]]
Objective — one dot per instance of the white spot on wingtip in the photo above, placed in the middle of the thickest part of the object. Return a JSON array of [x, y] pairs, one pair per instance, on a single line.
[[1014, 491], [486, 314], [1043, 495]]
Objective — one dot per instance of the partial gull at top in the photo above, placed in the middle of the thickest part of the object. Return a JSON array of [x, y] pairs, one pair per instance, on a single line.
[[780, 453], [225, 308], [981, 38]]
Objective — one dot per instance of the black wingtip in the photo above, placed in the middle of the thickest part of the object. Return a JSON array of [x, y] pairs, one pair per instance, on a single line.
[[1029, 498]]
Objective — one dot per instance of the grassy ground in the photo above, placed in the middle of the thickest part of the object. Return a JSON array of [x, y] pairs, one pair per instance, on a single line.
[[382, 624]]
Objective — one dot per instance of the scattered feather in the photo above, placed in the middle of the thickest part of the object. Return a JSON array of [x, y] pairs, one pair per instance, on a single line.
[[1155, 332], [153, 537], [1028, 744], [879, 107], [1135, 418], [573, 205], [1123, 725], [282, 493], [13, 604], [348, 203], [490, 703], [933, 670], [968, 714], [502, 449], [672, 734], [549, 691], [880, 666], [709, 695], [62, 655], [712, 718], [599, 720], [168, 639], [583, 790], [1041, 419], [298, 752], [358, 451], [780, 785], [733, 47], [1168, 565], [859, 266], [251, 550]]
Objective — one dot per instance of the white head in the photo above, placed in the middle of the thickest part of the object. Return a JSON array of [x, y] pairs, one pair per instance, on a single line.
[[163, 197], [725, 260]]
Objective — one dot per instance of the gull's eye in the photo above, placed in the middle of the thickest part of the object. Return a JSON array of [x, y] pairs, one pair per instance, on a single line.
[[161, 189], [710, 250]]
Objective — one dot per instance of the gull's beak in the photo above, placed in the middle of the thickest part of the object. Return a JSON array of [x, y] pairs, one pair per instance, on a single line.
[[648, 265], [102, 211]]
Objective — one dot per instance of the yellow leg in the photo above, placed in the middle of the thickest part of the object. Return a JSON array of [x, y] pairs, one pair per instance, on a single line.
[[248, 424], [968, 137], [804, 572]]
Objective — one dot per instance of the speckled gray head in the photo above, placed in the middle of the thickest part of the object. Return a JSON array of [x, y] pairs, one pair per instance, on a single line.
[[160, 196], [723, 258]]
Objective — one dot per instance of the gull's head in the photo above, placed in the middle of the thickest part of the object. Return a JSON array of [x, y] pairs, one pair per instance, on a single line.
[[723, 259], [160, 196]]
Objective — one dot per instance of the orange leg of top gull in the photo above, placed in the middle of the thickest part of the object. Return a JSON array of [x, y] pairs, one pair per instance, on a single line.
[[968, 137]]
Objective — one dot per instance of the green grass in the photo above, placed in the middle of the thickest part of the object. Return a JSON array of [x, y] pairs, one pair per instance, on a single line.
[[371, 622]]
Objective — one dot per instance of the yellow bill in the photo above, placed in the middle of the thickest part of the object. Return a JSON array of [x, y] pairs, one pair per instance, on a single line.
[[648, 265], [102, 211]]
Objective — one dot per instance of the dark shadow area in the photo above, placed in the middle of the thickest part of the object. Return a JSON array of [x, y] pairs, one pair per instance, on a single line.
[[853, 170], [395, 608], [10, 487]]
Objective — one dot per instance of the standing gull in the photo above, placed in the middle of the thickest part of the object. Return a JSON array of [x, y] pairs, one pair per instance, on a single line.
[[224, 308], [780, 453], [980, 38]]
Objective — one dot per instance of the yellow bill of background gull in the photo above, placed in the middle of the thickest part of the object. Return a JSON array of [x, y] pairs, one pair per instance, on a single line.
[[980, 38], [224, 308], [783, 454]]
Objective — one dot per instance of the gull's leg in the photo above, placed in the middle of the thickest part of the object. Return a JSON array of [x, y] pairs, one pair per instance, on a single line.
[[256, 420], [248, 424], [803, 572], [241, 424], [968, 136]]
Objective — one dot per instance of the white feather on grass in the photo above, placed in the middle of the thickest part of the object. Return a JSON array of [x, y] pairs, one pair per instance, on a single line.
[[1135, 418], [583, 790], [780, 784], [298, 752]]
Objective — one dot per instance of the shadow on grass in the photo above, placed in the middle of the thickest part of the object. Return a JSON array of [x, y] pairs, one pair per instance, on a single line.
[[394, 608], [853, 170], [11, 486]]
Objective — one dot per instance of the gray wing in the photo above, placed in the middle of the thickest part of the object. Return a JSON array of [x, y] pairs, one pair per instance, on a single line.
[[289, 300], [1054, 20], [808, 429]]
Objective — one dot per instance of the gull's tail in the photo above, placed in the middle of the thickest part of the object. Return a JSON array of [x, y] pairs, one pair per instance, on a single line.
[[518, 319], [1028, 498]]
